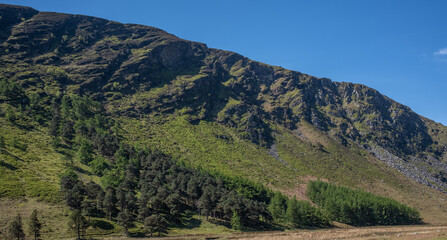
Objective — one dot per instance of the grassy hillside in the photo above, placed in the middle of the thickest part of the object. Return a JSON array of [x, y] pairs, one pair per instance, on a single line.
[[303, 154], [82, 83]]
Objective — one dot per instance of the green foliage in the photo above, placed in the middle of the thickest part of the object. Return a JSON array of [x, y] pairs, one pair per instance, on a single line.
[[2, 141], [11, 90], [85, 152], [98, 165], [236, 221], [359, 208], [78, 224], [303, 214], [125, 219], [277, 206], [155, 223], [15, 229], [35, 225], [10, 115]]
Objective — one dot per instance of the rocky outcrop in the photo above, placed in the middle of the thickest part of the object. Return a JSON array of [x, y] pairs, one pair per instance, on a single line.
[[138, 70]]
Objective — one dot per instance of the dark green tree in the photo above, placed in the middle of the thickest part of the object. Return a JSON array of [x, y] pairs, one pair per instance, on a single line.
[[88, 207], [205, 203], [34, 225], [55, 120], [109, 203], [85, 152], [236, 223], [15, 228], [277, 206], [98, 165], [72, 189], [10, 115], [125, 219], [78, 223], [293, 214], [155, 223], [67, 130], [2, 141], [131, 201]]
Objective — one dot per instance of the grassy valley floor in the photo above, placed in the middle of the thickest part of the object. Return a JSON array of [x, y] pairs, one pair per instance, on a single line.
[[364, 233]]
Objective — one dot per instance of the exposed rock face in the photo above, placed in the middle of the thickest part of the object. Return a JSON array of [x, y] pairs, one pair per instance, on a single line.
[[138, 70]]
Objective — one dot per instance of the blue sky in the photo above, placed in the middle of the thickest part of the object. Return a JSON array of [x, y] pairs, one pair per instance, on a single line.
[[396, 47]]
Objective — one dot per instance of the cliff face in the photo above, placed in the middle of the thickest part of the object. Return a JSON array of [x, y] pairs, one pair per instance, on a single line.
[[140, 71]]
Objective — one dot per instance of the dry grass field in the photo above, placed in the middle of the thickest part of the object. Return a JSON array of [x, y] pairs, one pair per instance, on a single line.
[[367, 233]]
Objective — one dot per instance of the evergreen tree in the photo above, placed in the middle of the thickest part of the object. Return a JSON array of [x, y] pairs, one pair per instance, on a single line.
[[15, 228], [85, 152], [236, 223], [2, 141], [125, 219], [10, 115], [131, 201], [35, 225], [100, 200], [72, 189], [78, 223], [88, 207], [65, 107], [277, 206], [293, 214], [205, 203], [155, 223], [67, 130], [110, 202], [55, 120], [175, 207], [121, 198]]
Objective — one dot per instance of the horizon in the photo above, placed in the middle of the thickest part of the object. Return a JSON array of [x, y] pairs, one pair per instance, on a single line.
[[397, 48]]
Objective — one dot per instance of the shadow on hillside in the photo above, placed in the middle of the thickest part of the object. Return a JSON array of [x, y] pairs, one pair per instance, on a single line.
[[8, 166], [80, 170]]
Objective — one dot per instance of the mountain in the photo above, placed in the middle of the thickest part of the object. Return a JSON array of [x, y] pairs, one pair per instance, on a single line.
[[210, 109]]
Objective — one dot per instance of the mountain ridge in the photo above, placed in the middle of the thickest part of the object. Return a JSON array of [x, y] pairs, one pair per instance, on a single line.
[[223, 112], [339, 108]]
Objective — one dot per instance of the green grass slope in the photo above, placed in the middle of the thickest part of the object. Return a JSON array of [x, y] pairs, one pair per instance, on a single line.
[[304, 154]]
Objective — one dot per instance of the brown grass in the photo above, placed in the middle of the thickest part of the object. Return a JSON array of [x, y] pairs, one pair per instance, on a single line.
[[367, 233], [53, 217]]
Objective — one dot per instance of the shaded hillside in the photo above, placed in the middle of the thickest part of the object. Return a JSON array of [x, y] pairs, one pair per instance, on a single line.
[[215, 110], [137, 70]]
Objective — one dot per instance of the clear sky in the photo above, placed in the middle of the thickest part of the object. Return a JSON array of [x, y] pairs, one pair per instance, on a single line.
[[396, 47]]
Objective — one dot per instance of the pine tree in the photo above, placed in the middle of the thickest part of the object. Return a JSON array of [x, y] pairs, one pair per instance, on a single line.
[[205, 202], [155, 223], [2, 141], [55, 120], [293, 213], [78, 223], [10, 115], [34, 225], [85, 152], [109, 202], [125, 219], [278, 206], [88, 207], [236, 221], [67, 130], [16, 228]]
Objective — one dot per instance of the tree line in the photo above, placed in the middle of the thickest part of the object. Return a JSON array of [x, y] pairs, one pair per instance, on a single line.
[[359, 208], [15, 228], [148, 186]]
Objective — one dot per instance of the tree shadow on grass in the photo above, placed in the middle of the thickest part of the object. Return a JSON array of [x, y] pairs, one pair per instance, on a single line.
[[101, 224], [80, 170], [8, 166]]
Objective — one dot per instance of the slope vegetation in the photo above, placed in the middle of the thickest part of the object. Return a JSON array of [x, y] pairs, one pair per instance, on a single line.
[[209, 109]]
